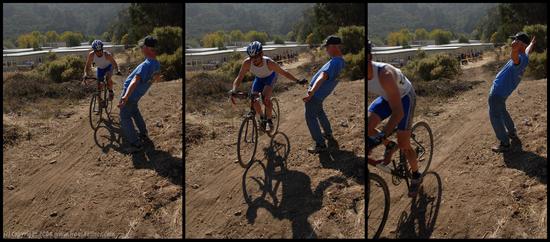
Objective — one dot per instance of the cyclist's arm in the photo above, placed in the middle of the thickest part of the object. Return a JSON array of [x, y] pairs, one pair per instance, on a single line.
[[388, 83], [244, 69], [88, 63], [276, 68], [132, 87], [112, 60]]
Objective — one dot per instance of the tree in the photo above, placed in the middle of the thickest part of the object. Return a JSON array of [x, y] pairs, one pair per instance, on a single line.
[[291, 36], [236, 36], [52, 36], [463, 39], [278, 40], [169, 39], [256, 36], [72, 38], [421, 34], [440, 36], [539, 31], [353, 38]]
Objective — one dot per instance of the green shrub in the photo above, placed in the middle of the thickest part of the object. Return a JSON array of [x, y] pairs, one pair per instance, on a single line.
[[63, 69], [432, 67], [169, 39], [537, 65], [354, 66], [353, 38], [171, 65]]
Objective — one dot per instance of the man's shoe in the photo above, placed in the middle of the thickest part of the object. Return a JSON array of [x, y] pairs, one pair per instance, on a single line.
[[132, 148], [513, 136], [317, 148], [501, 148]]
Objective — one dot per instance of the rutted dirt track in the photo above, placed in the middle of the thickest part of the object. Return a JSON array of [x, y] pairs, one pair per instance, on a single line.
[[314, 197], [64, 183], [472, 192]]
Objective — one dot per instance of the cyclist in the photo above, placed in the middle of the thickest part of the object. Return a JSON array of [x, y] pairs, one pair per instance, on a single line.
[[104, 61], [135, 86], [504, 84], [397, 100], [265, 70]]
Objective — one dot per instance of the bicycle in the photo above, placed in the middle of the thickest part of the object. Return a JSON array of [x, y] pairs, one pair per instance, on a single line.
[[99, 102], [375, 222], [248, 131], [401, 170]]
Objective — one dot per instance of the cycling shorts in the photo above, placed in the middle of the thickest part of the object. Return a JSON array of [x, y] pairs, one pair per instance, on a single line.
[[381, 107], [102, 72], [259, 83]]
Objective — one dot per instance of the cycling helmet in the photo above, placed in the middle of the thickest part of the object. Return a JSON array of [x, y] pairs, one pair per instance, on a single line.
[[254, 48], [97, 45], [369, 48]]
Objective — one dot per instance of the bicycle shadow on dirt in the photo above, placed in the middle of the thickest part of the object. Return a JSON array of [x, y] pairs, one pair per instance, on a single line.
[[531, 163], [108, 136], [345, 161], [290, 194], [420, 221]]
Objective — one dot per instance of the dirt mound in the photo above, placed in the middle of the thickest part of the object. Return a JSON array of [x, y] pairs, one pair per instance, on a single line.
[[286, 192]]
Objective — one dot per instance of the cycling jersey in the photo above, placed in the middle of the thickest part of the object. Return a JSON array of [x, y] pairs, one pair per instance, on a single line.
[[381, 107], [101, 62], [403, 84], [261, 71]]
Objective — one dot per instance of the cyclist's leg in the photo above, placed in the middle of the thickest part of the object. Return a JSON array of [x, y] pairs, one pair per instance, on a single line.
[[404, 130], [109, 76], [379, 110], [257, 87], [267, 92]]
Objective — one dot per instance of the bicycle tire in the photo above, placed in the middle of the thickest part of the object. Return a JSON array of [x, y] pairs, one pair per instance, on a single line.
[[428, 149], [378, 181], [244, 129], [275, 116], [109, 103], [91, 113]]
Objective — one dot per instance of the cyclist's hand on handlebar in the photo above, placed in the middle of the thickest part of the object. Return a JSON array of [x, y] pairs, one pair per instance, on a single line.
[[231, 92]]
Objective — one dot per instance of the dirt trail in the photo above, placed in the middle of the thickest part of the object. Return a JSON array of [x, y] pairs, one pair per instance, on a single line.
[[472, 192], [63, 183], [315, 197]]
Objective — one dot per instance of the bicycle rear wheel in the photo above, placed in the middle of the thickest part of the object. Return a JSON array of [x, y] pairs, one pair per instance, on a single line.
[[94, 112], [378, 205], [275, 116], [247, 141], [422, 143]]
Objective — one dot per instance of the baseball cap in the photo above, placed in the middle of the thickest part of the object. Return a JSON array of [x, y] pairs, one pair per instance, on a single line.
[[148, 41], [332, 40], [522, 36]]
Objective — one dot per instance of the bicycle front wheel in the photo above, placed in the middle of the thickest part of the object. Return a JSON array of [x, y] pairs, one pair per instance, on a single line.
[[378, 205], [247, 142], [94, 112], [275, 116], [423, 145]]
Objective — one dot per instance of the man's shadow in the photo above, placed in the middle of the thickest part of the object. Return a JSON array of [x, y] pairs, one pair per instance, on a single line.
[[290, 193], [531, 163], [108, 137], [345, 161]]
